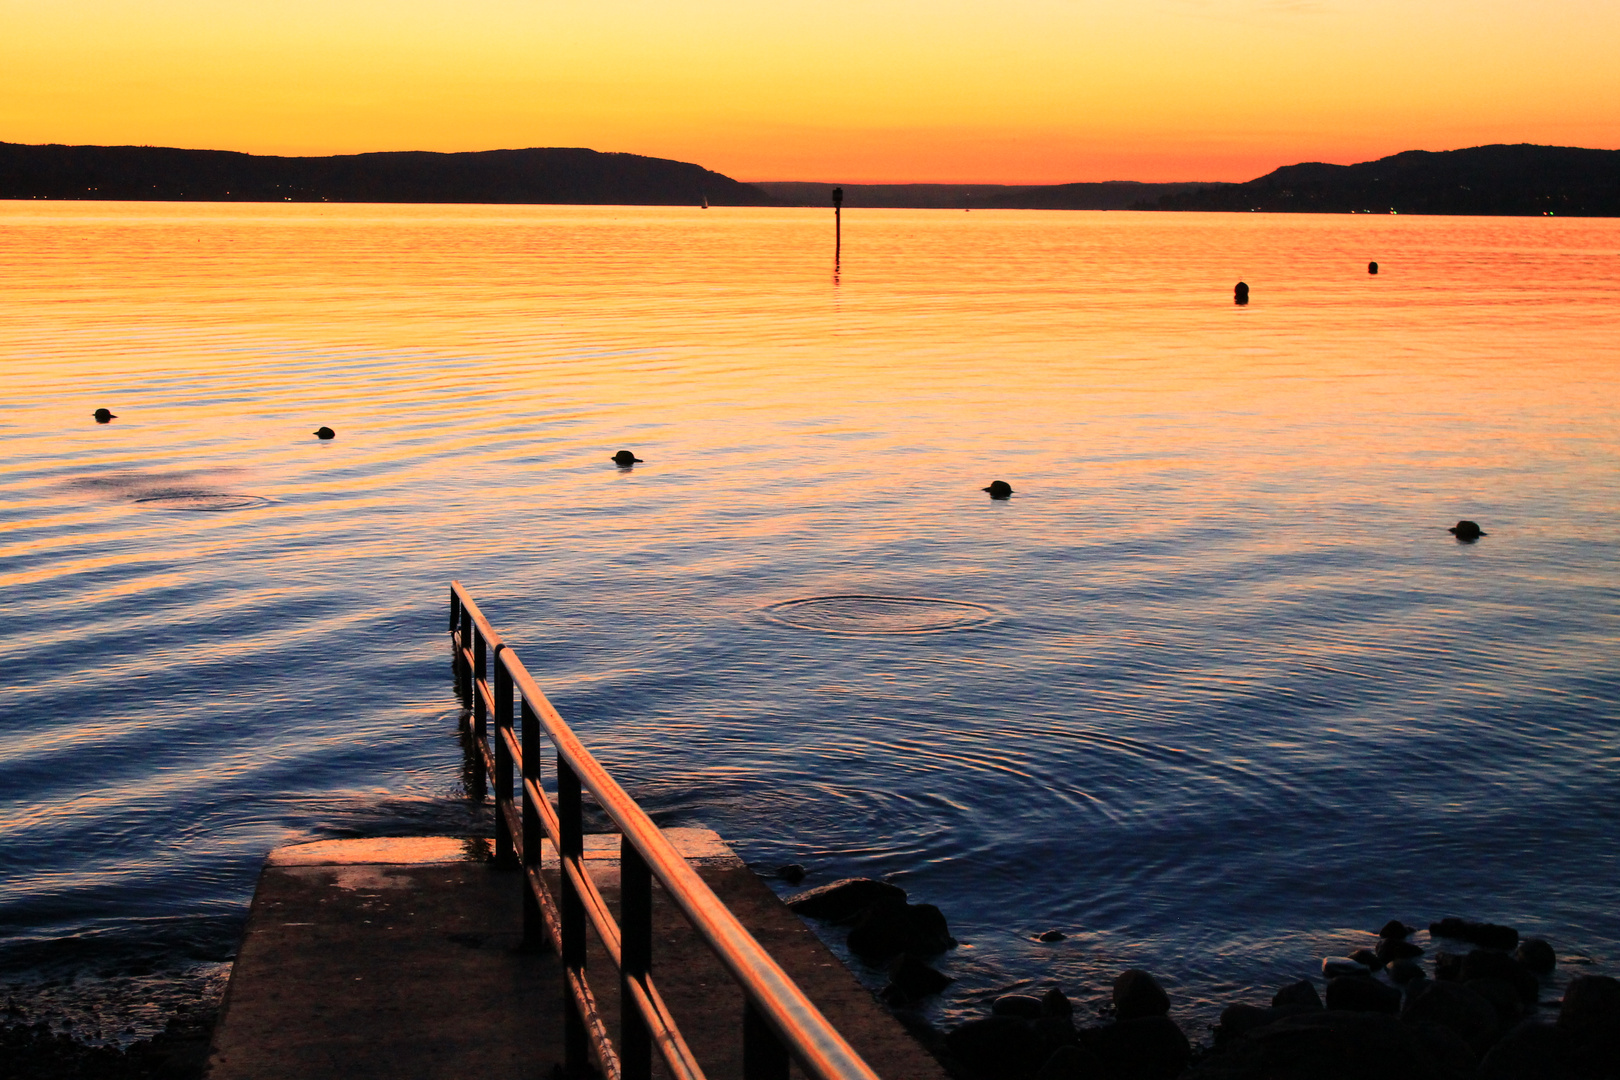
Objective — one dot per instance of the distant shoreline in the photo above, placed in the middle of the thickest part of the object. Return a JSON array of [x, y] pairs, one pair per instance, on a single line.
[[1523, 180]]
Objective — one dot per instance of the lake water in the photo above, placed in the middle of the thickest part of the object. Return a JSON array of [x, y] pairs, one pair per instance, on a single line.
[[1214, 692]]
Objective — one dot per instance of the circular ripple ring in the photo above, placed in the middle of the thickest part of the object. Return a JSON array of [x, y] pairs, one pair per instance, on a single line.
[[861, 614], [203, 503]]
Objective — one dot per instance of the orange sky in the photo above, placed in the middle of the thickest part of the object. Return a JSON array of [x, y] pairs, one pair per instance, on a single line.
[[1026, 91]]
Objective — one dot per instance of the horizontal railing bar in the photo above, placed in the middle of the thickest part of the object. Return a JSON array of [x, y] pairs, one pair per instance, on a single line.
[[548, 813], [605, 1054], [606, 928], [819, 1048], [514, 820], [548, 907], [661, 1026], [486, 693], [513, 747]]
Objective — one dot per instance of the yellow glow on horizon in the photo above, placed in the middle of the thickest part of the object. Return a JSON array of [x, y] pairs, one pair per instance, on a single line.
[[1038, 91]]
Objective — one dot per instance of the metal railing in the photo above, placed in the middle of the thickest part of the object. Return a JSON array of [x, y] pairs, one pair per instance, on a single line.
[[778, 1024]]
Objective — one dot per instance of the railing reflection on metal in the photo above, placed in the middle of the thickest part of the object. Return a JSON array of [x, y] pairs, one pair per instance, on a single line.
[[779, 1023]]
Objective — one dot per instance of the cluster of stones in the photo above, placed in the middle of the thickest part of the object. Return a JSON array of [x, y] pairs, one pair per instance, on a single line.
[[1036, 1038], [1383, 1017], [1476, 1017], [885, 928], [1379, 1015]]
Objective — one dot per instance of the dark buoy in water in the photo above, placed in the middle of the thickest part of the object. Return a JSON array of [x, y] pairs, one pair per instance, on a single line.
[[104, 415], [1467, 531], [325, 433], [1240, 293], [1372, 268], [999, 489], [624, 459]]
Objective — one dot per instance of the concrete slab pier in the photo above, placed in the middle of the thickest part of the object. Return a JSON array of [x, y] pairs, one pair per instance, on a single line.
[[402, 957]]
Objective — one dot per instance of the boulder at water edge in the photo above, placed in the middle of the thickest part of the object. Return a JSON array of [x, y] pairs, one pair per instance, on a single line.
[[887, 930], [843, 901], [1486, 964], [911, 980], [1537, 956], [1489, 935], [1138, 994], [1298, 993]]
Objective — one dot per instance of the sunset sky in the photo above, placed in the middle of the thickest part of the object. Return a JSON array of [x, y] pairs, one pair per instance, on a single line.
[[1024, 91]]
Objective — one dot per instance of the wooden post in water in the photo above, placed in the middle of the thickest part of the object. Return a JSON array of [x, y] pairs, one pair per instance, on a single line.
[[838, 224]]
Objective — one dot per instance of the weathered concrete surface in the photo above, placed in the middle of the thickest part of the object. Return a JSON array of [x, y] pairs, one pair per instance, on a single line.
[[401, 958]]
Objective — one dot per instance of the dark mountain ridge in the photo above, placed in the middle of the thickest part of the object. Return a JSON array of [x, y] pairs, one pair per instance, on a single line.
[[540, 175], [1481, 180]]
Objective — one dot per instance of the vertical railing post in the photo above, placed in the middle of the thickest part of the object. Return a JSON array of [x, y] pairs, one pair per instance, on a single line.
[[505, 856], [534, 926], [480, 672], [464, 669], [571, 823], [764, 1056], [635, 943]]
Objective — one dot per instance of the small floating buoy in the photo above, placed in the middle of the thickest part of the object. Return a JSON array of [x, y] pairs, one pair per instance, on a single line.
[[1240, 293], [325, 433], [1467, 531], [1372, 268], [999, 489], [104, 415], [624, 459]]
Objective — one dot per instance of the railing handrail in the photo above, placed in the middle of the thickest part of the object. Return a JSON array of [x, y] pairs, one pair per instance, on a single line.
[[806, 1034]]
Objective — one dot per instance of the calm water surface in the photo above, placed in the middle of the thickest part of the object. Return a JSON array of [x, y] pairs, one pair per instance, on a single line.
[[1213, 692]]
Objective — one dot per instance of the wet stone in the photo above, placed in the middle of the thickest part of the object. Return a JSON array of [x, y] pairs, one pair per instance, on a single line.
[[1486, 964], [1297, 993], [1138, 994], [1368, 959], [1334, 967], [1537, 956], [1488, 935], [910, 980], [886, 930], [1391, 949], [844, 900], [1056, 1003]]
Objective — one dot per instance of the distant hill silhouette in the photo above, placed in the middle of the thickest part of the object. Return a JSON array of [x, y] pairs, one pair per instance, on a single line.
[[1111, 195], [1522, 179], [491, 176]]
